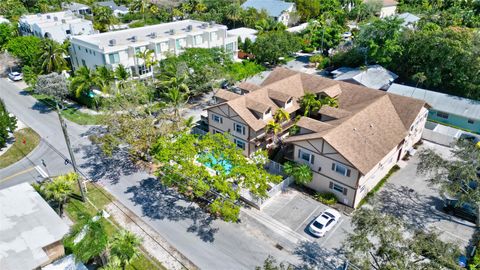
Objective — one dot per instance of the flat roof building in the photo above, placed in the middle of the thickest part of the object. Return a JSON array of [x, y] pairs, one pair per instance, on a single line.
[[31, 232], [58, 26], [122, 47]]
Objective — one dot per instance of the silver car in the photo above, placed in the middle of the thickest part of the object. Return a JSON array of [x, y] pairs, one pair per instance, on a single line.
[[15, 76]]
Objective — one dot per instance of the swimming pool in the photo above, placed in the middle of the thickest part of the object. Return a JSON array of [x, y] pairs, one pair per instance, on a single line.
[[211, 162]]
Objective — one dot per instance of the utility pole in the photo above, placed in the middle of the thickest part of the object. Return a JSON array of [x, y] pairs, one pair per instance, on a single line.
[[70, 152]]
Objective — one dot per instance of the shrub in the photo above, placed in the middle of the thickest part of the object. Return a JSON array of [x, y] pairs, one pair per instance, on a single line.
[[351, 58], [327, 198], [308, 49]]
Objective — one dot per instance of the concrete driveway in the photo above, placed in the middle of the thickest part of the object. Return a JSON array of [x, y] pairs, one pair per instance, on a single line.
[[410, 197], [297, 210]]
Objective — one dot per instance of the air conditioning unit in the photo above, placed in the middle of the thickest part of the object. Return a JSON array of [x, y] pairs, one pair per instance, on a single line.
[[172, 31], [64, 21], [133, 38], [153, 35], [49, 17], [112, 42], [55, 19], [204, 25], [189, 28], [212, 23]]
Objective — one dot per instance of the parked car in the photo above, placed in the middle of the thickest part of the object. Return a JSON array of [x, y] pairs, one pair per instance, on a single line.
[[347, 35], [15, 76], [465, 211], [324, 222]]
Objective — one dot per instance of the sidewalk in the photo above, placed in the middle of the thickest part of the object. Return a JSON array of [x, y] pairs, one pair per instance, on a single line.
[[153, 243]]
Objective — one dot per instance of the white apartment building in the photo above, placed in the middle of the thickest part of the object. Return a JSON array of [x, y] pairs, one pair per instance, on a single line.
[[122, 47], [58, 26]]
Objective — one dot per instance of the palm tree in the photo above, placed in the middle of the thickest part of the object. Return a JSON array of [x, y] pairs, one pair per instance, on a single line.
[[149, 59], [176, 99], [140, 6], [125, 247], [94, 241], [121, 75], [83, 81], [52, 59], [103, 18], [281, 115], [103, 78], [273, 128], [60, 189], [300, 172], [329, 101], [234, 13], [189, 123], [310, 104]]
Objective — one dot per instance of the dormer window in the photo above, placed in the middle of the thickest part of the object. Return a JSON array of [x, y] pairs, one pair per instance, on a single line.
[[289, 102]]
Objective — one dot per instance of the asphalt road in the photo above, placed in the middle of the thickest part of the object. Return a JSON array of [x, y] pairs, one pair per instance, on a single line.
[[210, 244]]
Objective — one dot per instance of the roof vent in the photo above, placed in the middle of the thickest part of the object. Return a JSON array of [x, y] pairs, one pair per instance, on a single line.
[[153, 35], [204, 25], [133, 38], [172, 31], [189, 28], [354, 129], [49, 17], [212, 23], [39, 15], [64, 21], [55, 19], [112, 42]]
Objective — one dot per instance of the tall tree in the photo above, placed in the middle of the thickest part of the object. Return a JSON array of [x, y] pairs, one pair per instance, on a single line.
[[125, 246], [88, 239], [103, 18], [59, 189], [7, 32], [457, 176], [381, 39], [381, 241], [26, 48], [83, 81], [271, 46], [7, 124], [121, 76], [53, 56], [53, 85], [149, 60]]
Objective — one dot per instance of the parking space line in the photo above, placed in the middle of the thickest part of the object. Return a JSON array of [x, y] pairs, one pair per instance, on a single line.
[[309, 216], [333, 231], [281, 208]]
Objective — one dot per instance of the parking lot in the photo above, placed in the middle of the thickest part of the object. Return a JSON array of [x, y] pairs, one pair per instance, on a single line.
[[409, 196], [297, 210]]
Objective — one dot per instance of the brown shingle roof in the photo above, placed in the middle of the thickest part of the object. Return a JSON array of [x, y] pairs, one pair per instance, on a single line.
[[277, 95], [250, 87], [226, 95], [368, 123]]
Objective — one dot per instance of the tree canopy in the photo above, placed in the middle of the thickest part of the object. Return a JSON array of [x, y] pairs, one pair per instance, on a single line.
[[271, 46], [26, 48], [381, 241], [7, 124], [180, 158]]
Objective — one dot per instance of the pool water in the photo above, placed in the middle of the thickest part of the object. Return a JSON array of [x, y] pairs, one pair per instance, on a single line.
[[213, 162]]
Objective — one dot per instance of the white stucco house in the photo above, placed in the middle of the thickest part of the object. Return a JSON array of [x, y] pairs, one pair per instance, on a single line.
[[279, 10], [111, 49], [58, 26]]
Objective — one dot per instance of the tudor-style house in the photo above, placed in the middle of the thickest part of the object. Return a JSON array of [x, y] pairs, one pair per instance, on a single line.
[[349, 148]]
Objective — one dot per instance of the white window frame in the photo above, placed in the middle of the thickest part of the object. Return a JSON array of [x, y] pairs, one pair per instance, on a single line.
[[340, 169], [198, 39], [237, 126], [217, 118], [301, 154], [114, 58], [242, 143]]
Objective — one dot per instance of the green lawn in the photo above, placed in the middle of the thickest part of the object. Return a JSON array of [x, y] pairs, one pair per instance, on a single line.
[[100, 198], [19, 150], [70, 113]]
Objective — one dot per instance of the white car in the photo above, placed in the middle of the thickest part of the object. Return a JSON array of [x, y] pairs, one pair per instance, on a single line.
[[15, 76], [324, 222], [347, 35]]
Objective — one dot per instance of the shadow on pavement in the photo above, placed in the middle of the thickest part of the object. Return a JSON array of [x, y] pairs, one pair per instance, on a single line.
[[415, 209], [41, 107], [313, 256], [99, 166], [161, 203]]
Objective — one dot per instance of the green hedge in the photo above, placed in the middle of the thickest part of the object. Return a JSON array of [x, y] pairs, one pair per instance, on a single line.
[[372, 192], [327, 198]]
